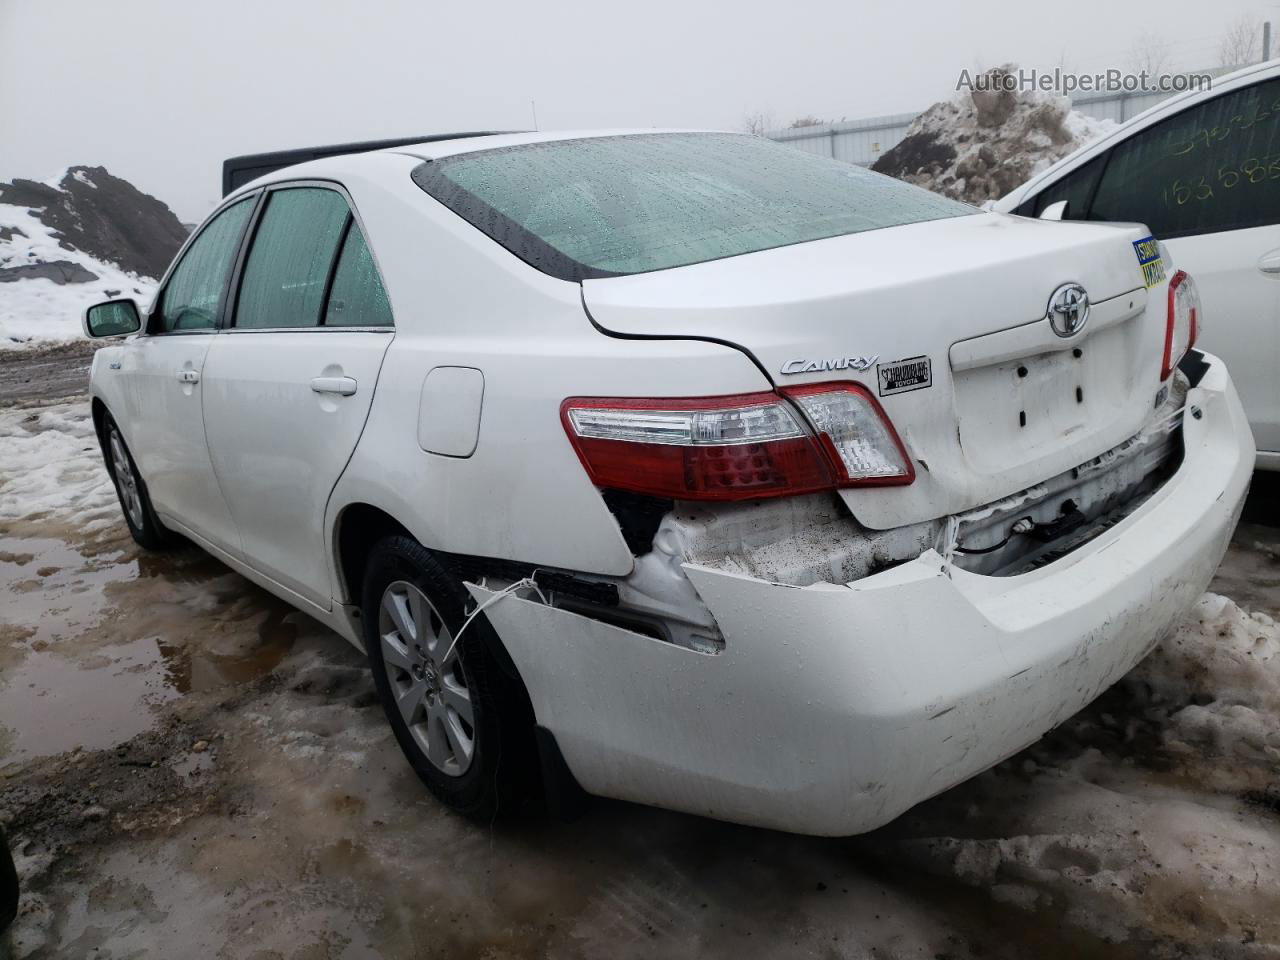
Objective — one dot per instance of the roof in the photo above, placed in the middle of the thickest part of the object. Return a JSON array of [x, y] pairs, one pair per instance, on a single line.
[[438, 148], [238, 171]]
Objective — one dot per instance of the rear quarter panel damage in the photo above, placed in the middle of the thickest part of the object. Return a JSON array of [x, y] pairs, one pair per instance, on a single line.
[[834, 707]]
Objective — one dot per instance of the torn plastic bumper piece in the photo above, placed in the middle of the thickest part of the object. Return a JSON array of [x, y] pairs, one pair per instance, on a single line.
[[833, 708]]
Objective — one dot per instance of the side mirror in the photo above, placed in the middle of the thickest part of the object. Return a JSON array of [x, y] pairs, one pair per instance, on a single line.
[[115, 318], [1054, 211]]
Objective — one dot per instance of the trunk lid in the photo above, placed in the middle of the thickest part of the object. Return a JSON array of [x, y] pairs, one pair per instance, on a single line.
[[1002, 403]]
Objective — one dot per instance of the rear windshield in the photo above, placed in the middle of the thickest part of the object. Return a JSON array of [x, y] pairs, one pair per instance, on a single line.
[[609, 206]]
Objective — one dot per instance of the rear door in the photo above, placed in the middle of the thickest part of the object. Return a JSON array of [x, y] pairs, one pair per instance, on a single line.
[[287, 386], [165, 428]]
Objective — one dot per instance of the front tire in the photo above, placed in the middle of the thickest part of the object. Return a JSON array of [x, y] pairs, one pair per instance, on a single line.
[[464, 725], [145, 527]]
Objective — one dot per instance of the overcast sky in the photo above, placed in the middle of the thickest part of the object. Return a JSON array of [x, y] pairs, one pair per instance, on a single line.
[[161, 91]]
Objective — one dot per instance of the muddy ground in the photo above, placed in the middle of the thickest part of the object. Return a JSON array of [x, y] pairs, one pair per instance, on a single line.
[[188, 768], [41, 373]]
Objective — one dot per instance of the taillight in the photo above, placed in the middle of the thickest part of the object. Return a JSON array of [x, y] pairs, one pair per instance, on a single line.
[[739, 447], [1184, 321], [852, 426]]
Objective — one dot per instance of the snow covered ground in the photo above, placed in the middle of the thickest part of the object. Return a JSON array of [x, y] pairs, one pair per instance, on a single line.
[[1149, 824], [37, 310], [51, 469]]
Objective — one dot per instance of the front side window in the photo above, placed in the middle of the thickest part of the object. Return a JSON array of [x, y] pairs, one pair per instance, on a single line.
[[193, 297], [608, 206], [293, 252], [1213, 167]]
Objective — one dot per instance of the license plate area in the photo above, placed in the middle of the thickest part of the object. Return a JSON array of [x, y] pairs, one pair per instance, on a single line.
[[1016, 410]]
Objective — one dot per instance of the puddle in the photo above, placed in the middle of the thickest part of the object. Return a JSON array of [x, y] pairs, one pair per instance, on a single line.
[[91, 644], [191, 766], [49, 587], [50, 704], [188, 670]]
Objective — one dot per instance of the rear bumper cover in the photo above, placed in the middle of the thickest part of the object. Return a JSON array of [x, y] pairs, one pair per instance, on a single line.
[[833, 708]]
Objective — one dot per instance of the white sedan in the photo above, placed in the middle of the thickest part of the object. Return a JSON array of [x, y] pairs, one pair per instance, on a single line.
[[682, 467], [1202, 171]]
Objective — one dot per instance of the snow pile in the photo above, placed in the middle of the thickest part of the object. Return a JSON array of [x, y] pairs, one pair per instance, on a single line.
[[71, 241], [51, 471], [1151, 816], [981, 144], [1121, 856], [1219, 675]]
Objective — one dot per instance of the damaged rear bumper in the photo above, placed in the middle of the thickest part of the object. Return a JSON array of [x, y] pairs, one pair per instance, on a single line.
[[835, 707]]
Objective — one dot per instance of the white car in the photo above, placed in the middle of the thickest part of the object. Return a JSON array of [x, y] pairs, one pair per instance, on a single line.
[[1202, 171], [682, 467]]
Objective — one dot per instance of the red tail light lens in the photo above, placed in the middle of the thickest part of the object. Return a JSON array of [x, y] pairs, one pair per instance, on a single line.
[[738, 447], [1184, 321], [715, 448]]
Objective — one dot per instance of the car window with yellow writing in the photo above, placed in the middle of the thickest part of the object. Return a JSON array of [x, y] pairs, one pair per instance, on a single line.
[[1213, 167]]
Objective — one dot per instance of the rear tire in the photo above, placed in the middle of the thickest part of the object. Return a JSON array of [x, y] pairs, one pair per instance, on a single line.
[[464, 725], [135, 502]]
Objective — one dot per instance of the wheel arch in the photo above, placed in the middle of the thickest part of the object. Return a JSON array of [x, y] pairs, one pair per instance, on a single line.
[[99, 412], [358, 527]]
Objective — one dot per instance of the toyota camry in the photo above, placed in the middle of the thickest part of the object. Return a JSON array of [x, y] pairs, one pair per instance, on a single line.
[[681, 467]]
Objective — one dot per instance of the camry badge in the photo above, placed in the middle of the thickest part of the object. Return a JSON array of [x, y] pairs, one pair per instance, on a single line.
[[830, 363], [1068, 309]]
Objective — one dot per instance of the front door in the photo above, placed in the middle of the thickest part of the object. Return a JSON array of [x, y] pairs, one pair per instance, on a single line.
[[166, 368], [287, 387]]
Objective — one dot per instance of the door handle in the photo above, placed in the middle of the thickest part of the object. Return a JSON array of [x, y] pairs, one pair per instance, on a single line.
[[188, 376], [343, 386], [1270, 262]]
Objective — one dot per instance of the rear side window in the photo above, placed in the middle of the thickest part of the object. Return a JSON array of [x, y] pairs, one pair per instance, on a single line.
[[289, 263], [357, 297], [193, 297], [1213, 167], [608, 206], [1076, 188]]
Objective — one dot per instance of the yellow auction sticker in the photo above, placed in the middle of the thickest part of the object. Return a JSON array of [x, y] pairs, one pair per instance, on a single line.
[[1149, 260]]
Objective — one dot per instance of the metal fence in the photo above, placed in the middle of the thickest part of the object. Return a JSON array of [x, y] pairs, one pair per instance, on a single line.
[[853, 141], [1117, 106], [863, 141]]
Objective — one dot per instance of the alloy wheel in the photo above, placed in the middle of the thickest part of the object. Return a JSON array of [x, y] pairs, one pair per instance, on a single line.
[[427, 679], [130, 496]]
